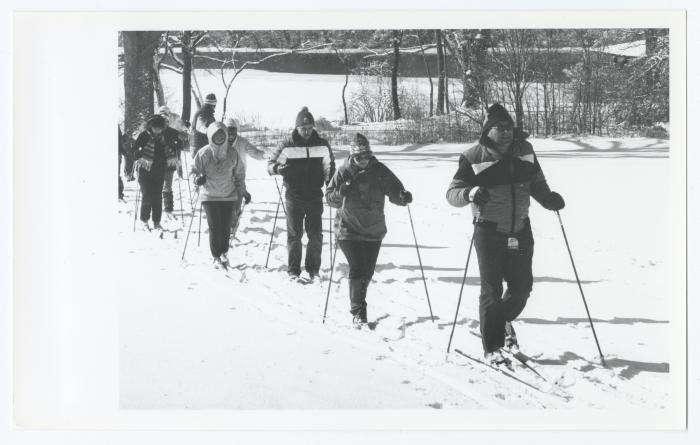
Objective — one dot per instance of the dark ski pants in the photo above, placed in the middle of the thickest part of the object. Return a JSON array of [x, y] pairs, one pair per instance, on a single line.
[[304, 215], [496, 264], [151, 184], [219, 220], [362, 258], [168, 191]]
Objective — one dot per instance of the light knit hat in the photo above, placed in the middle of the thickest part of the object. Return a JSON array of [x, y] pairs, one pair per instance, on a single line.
[[210, 99], [231, 122], [360, 145]]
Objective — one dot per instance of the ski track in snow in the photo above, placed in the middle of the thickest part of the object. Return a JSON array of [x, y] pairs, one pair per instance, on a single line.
[[192, 337]]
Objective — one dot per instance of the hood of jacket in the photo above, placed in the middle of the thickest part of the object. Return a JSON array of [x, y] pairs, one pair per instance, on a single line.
[[219, 150]]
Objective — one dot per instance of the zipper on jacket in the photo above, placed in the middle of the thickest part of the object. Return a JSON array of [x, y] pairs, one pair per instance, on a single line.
[[512, 193]]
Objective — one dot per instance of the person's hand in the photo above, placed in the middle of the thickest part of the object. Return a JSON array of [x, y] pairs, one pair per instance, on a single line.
[[200, 180], [280, 169], [553, 201], [246, 197], [405, 197], [344, 188], [479, 196]]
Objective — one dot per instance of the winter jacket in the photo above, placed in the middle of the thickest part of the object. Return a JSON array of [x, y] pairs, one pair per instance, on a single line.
[[361, 211], [510, 180], [308, 165], [224, 177], [202, 119], [244, 148], [172, 138], [154, 153]]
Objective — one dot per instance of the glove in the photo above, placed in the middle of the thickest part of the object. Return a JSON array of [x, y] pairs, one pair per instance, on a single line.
[[405, 197], [344, 188], [280, 168], [553, 202], [200, 180], [479, 196], [247, 197]]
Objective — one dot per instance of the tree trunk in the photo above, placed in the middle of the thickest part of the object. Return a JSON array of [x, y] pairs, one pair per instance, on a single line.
[[187, 76], [427, 72], [158, 85], [396, 42], [138, 78], [440, 109], [345, 86]]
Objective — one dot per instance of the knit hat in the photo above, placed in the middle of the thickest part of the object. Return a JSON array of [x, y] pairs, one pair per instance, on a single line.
[[494, 114], [157, 121], [304, 117], [210, 99], [360, 145], [231, 122]]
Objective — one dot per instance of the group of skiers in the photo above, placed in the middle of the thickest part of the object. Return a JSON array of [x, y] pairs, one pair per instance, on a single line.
[[496, 176]]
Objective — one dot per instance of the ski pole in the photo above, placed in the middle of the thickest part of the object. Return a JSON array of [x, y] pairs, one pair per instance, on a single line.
[[182, 212], [420, 262], [590, 320], [188, 232], [330, 232], [272, 235], [199, 232], [136, 205], [461, 289], [330, 280], [279, 192]]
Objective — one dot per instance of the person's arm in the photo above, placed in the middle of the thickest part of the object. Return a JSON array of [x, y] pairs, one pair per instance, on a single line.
[[337, 188], [201, 125], [392, 186], [328, 164], [239, 177], [252, 150], [462, 184], [272, 164], [539, 189]]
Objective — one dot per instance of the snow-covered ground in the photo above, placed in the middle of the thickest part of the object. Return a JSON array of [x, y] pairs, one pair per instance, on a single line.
[[191, 337]]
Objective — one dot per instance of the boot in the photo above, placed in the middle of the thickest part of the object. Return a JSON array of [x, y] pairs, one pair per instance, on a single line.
[[511, 340], [168, 202], [358, 307]]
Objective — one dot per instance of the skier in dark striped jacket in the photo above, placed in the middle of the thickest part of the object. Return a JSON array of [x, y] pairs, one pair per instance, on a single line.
[[306, 163], [497, 176]]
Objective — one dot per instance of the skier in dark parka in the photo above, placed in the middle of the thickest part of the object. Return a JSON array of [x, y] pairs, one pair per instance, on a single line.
[[357, 190], [201, 121], [497, 176]]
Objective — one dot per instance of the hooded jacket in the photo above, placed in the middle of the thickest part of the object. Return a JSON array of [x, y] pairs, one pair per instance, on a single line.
[[361, 211], [510, 180], [222, 167], [309, 164]]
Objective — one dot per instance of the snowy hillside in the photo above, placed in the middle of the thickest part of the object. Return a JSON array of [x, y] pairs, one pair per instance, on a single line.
[[194, 338]]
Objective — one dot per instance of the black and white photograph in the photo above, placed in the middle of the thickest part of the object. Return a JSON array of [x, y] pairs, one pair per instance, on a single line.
[[347, 219], [359, 222]]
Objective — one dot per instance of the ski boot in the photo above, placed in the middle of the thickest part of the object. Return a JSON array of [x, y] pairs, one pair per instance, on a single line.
[[358, 322], [145, 226], [224, 260], [497, 360]]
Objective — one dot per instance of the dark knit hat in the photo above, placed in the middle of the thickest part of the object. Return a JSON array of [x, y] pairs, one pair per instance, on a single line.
[[304, 117], [210, 99], [156, 121], [494, 114], [360, 145]]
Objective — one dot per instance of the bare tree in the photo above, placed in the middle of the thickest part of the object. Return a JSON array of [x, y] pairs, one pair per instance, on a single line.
[[441, 73], [396, 43]]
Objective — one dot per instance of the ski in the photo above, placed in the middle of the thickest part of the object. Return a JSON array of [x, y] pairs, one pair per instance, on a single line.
[[508, 372], [552, 385], [174, 232]]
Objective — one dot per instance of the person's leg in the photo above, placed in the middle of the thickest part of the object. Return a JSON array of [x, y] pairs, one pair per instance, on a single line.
[[490, 249], [211, 210], [314, 231], [168, 191], [146, 198], [157, 201], [518, 276], [225, 229], [295, 226], [354, 255], [369, 253]]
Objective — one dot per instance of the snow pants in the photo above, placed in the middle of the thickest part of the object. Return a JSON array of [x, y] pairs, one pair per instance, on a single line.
[[496, 264], [151, 183], [304, 215], [362, 259], [168, 191], [219, 220]]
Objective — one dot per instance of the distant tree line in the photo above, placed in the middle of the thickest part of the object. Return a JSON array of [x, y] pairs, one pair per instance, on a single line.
[[599, 87]]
